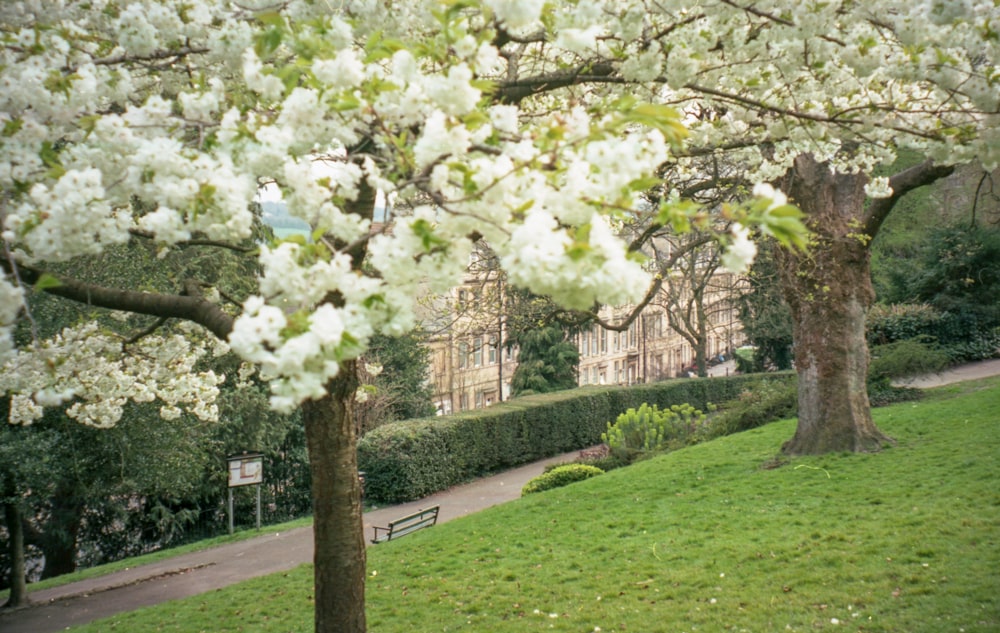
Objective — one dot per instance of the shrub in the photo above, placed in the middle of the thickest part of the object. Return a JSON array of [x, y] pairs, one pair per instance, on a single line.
[[901, 322], [646, 430], [963, 336], [746, 360], [601, 457], [905, 359], [902, 359], [559, 476], [760, 403]]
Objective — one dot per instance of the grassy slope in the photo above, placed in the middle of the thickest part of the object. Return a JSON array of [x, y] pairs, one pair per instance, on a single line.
[[700, 539]]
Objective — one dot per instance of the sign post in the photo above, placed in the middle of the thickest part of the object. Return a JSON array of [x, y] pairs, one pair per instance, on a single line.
[[246, 469]]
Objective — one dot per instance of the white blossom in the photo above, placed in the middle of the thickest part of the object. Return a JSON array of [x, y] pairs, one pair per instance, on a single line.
[[740, 252], [165, 116]]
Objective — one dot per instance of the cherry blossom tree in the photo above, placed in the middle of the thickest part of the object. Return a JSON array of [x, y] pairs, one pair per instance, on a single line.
[[531, 126]]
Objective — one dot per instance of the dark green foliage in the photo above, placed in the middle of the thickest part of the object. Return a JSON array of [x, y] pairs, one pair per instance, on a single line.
[[747, 360], [902, 359], [766, 319], [961, 273], [402, 384], [760, 403], [411, 459], [547, 362], [905, 359], [541, 330], [890, 323], [560, 476], [962, 336]]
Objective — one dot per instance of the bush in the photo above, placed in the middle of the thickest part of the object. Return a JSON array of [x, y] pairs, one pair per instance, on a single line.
[[408, 460], [747, 361], [902, 322], [760, 403], [902, 359], [962, 336], [560, 476], [640, 432], [906, 359]]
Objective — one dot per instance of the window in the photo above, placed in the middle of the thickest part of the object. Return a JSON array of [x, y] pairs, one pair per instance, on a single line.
[[604, 340], [463, 355], [493, 350], [477, 351]]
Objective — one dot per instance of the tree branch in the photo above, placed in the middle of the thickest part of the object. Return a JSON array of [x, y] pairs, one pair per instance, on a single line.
[[197, 241], [190, 305], [515, 91], [902, 183]]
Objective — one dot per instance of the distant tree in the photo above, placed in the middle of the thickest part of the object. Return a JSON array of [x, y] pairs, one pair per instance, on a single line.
[[400, 389], [696, 295], [764, 315], [547, 361]]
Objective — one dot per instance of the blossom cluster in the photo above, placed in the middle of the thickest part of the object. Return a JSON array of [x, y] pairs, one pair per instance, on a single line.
[[97, 375], [519, 122]]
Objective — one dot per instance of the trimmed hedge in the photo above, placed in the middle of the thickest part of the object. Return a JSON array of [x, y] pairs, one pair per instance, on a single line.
[[409, 460]]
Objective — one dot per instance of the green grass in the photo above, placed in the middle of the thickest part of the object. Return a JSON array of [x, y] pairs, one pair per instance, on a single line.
[[702, 539], [152, 557]]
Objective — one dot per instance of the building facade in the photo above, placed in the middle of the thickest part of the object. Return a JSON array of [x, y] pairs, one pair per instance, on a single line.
[[471, 366]]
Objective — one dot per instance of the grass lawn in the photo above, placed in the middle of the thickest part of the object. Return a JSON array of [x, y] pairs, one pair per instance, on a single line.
[[702, 539]]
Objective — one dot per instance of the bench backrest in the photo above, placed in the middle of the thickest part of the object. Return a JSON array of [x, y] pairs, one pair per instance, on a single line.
[[410, 523]]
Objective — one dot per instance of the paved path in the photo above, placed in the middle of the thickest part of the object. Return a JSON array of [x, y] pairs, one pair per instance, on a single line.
[[970, 371], [190, 574]]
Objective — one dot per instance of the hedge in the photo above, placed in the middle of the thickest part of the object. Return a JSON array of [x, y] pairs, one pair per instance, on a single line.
[[409, 460]]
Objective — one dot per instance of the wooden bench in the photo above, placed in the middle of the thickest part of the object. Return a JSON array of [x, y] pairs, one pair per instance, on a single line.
[[407, 524]]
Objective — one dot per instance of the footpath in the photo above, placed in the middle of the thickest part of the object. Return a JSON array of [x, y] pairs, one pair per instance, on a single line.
[[186, 575]]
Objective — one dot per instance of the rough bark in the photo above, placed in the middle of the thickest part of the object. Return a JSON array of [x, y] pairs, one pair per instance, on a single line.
[[829, 291], [338, 527], [338, 530], [18, 585]]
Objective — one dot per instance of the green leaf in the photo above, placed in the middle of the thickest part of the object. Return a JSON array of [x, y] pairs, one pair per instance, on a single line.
[[345, 101], [12, 127], [46, 281], [645, 183]]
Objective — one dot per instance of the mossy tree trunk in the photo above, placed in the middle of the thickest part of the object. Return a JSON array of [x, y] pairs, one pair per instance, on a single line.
[[829, 292]]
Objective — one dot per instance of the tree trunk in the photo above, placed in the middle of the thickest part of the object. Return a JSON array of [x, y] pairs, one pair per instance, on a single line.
[[829, 291], [338, 529], [59, 539], [18, 585]]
